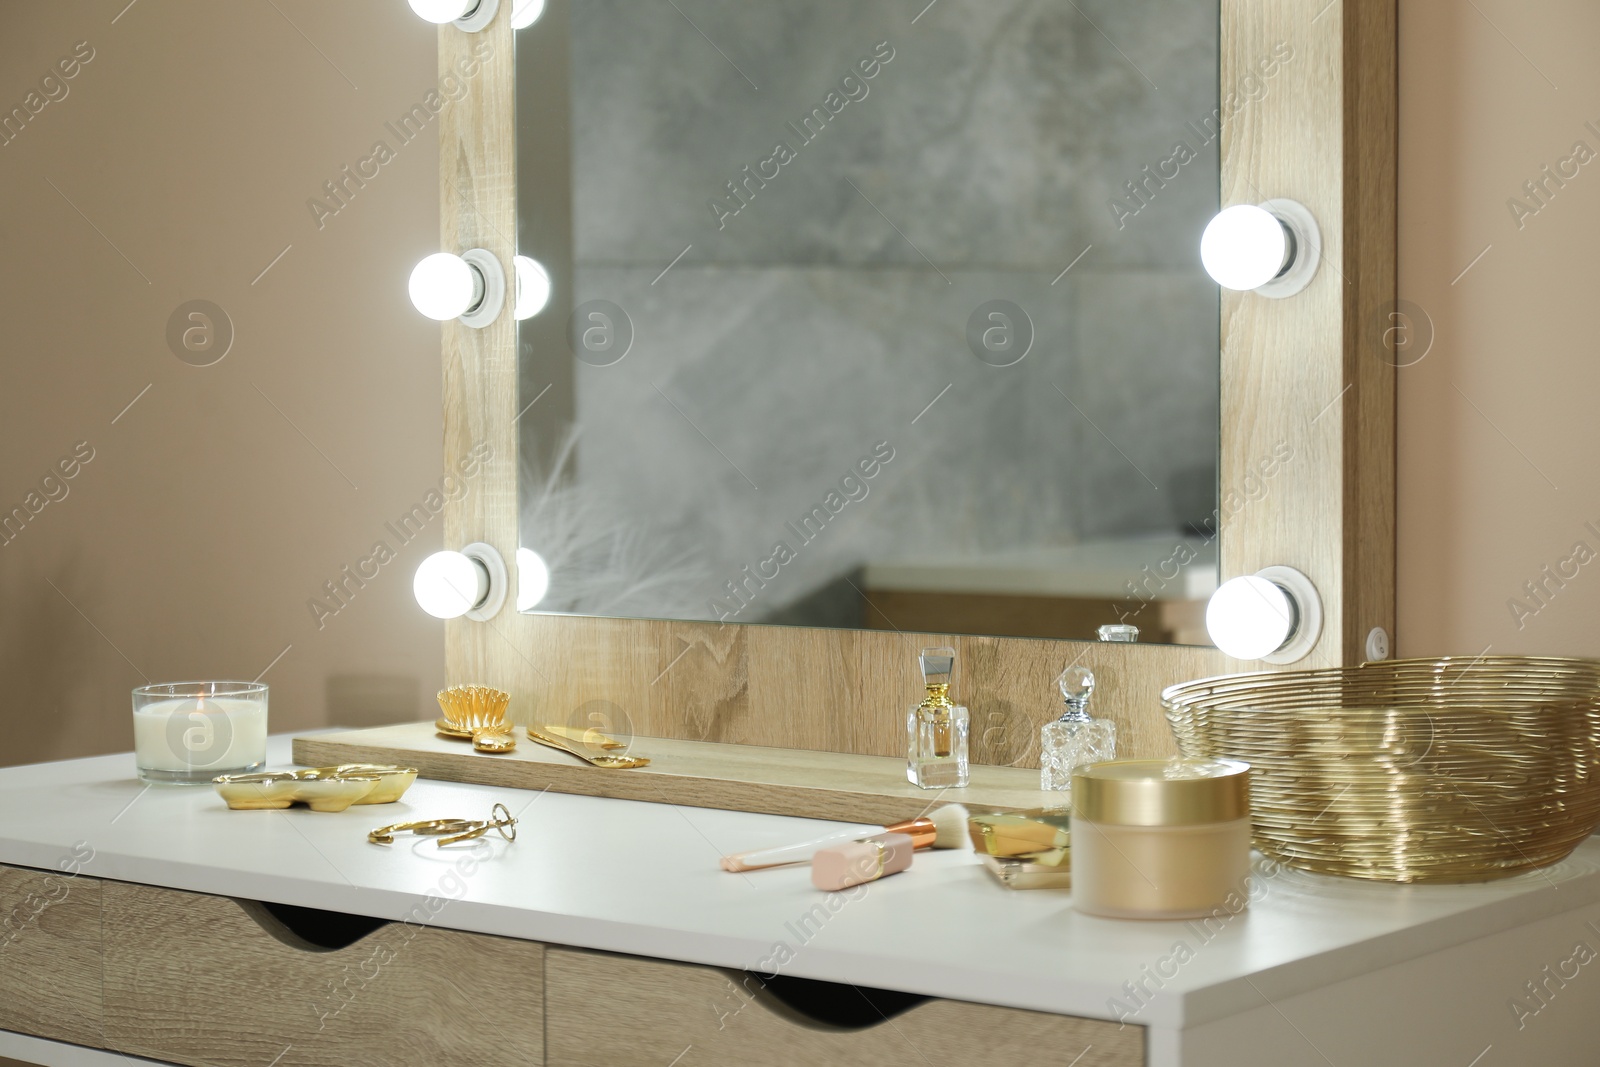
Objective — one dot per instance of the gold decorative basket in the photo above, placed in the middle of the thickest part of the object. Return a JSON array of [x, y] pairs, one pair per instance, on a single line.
[[1446, 770]]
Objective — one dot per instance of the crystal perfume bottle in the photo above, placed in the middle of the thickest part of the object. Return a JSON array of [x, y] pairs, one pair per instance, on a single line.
[[936, 729], [1076, 737]]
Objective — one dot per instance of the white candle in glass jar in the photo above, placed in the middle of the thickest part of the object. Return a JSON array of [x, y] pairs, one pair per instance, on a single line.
[[200, 736]]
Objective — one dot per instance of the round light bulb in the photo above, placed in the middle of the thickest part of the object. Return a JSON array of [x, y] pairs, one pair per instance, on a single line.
[[442, 286], [1250, 617], [442, 11], [449, 584], [1244, 247], [533, 579], [525, 13], [533, 287]]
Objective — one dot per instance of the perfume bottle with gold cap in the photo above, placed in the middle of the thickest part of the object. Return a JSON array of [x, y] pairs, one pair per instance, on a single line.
[[937, 728], [1076, 737]]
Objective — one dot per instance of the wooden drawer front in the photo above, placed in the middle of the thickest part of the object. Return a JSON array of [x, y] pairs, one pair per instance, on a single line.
[[622, 1011], [197, 980], [50, 955]]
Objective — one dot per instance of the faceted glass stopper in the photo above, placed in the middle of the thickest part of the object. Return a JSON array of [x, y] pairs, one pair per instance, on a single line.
[[938, 664], [1077, 685]]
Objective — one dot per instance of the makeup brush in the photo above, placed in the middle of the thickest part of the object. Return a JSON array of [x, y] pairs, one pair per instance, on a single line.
[[944, 827]]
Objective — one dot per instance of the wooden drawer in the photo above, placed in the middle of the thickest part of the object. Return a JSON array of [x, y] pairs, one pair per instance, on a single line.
[[622, 1011], [209, 981], [50, 955]]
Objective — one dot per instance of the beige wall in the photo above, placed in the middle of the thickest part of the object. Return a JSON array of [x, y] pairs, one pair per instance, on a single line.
[[1498, 424], [191, 543]]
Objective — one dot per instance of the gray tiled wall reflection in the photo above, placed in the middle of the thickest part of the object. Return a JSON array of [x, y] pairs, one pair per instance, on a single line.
[[832, 308]]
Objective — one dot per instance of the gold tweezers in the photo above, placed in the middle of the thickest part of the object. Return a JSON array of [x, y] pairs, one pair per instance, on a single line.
[[499, 819]]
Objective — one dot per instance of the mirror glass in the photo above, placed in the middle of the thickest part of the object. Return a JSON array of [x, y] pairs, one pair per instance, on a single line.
[[871, 314]]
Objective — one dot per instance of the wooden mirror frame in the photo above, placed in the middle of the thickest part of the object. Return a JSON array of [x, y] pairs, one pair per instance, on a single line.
[[1307, 374]]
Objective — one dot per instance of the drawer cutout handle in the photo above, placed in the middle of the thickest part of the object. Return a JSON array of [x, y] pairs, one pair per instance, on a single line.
[[820, 1005], [310, 929]]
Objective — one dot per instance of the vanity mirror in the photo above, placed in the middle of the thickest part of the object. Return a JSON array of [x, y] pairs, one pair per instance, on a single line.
[[869, 322], [714, 361]]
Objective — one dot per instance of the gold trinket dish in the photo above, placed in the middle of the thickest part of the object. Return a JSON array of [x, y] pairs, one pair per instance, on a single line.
[[393, 781], [320, 788]]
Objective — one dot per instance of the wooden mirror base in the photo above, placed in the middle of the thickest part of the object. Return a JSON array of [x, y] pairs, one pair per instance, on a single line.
[[771, 781]]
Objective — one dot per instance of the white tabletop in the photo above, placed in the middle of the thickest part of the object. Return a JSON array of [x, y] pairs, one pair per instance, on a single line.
[[643, 879]]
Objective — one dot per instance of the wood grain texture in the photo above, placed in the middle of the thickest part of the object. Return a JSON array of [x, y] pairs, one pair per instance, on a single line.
[[654, 1012], [1297, 374], [831, 690], [478, 209], [50, 955], [1371, 199], [192, 979], [774, 781], [1309, 374]]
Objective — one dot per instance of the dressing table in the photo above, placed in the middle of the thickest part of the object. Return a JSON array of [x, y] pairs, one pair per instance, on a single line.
[[156, 924]]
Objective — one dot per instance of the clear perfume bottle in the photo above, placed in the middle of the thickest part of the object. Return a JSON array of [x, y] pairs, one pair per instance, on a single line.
[[1076, 737], [936, 729]]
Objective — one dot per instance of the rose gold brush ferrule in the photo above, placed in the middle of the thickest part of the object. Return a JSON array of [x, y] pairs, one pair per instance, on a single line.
[[921, 831]]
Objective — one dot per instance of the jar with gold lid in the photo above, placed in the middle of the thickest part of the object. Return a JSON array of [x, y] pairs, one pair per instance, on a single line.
[[1160, 839]]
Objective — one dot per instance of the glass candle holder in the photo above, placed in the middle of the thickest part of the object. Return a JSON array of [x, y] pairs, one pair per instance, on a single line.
[[194, 731]]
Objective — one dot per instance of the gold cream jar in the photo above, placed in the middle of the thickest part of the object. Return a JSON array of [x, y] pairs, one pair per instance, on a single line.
[[1160, 839]]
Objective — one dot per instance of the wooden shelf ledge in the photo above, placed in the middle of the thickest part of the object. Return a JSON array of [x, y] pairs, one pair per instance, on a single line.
[[772, 781]]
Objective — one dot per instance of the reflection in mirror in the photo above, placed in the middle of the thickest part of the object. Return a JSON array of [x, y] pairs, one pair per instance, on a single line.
[[871, 315]]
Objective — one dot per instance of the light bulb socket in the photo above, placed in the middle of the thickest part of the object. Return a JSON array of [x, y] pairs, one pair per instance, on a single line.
[[479, 17], [1303, 252], [488, 557], [1307, 605], [489, 285]]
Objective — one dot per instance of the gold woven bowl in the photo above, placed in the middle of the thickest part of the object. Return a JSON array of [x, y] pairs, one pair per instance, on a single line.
[[1447, 770]]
